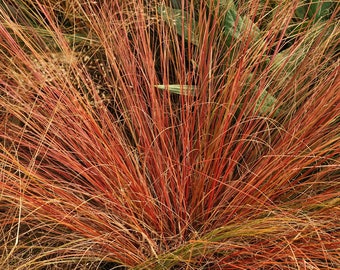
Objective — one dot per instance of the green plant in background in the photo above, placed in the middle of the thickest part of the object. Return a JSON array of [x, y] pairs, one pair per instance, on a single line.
[[234, 26], [169, 134], [315, 10]]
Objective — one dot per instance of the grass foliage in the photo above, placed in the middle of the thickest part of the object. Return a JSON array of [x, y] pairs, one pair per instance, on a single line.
[[169, 134]]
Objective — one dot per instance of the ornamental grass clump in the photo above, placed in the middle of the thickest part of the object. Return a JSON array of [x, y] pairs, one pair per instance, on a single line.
[[169, 134]]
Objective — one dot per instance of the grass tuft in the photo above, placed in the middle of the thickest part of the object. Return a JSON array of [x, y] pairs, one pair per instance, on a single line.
[[169, 134]]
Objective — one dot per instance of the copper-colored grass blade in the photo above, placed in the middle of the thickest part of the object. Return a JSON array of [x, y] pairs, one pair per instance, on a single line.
[[129, 141]]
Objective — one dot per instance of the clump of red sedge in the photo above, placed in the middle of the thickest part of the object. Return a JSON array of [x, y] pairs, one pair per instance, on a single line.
[[103, 164]]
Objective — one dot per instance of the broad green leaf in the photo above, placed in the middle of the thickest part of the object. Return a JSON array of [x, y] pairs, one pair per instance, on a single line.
[[314, 9], [319, 9], [178, 89], [184, 25], [265, 103], [288, 61], [235, 25], [301, 11]]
